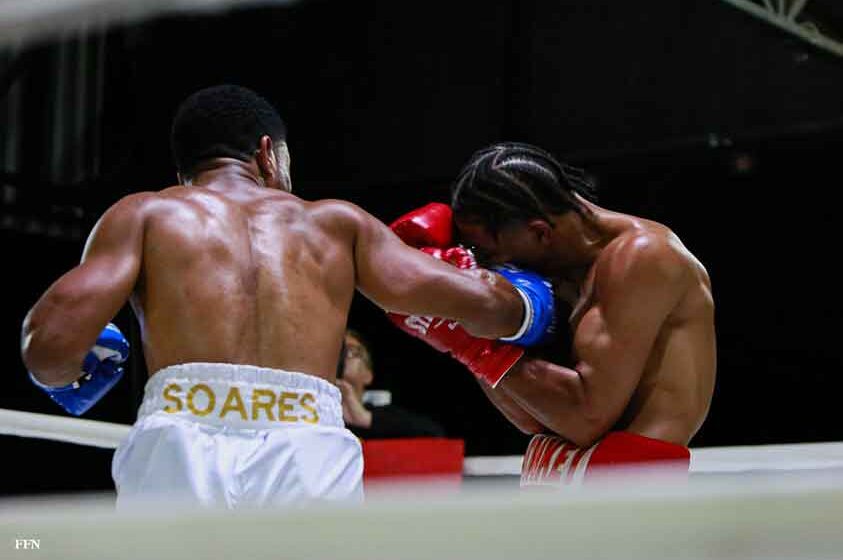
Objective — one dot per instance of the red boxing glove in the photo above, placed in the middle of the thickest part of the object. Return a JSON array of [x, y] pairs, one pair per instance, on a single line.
[[428, 226], [488, 360]]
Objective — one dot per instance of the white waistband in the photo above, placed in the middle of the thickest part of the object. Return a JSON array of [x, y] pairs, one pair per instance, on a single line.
[[242, 396]]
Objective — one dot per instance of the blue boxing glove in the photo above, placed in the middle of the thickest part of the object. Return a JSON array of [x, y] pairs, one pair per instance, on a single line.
[[539, 308], [100, 372]]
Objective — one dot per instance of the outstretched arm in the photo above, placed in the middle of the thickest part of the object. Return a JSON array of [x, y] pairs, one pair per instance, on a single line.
[[404, 280], [64, 324]]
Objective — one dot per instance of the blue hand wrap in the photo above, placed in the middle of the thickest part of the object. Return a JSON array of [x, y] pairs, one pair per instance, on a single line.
[[539, 307], [101, 371]]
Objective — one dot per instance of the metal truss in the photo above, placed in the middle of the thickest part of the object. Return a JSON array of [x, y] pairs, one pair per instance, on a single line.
[[784, 14]]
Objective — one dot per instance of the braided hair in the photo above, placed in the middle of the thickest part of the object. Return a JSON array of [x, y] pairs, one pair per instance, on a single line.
[[511, 182]]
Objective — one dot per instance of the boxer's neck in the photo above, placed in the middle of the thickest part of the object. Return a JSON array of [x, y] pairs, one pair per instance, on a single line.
[[581, 237], [577, 241], [226, 173]]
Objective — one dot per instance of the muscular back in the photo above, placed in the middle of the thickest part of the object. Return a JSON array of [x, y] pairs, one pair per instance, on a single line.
[[249, 276], [673, 397]]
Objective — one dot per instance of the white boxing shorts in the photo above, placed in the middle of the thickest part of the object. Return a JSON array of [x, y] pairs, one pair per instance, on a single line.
[[236, 435]]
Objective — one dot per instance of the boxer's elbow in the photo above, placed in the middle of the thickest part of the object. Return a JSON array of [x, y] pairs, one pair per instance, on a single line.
[[529, 426], [592, 422], [586, 435], [582, 432], [49, 352], [585, 420]]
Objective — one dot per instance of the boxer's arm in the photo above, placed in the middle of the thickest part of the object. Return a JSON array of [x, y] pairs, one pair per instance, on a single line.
[[512, 411], [637, 287], [64, 324], [404, 280]]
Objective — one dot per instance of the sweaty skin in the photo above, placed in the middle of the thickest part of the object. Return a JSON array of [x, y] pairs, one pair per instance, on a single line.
[[226, 270], [644, 353]]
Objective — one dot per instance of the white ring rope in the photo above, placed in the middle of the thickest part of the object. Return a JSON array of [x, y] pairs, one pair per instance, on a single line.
[[733, 459], [70, 430], [709, 460]]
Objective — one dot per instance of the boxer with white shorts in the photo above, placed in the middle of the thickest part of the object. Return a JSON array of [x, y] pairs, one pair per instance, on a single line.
[[242, 291]]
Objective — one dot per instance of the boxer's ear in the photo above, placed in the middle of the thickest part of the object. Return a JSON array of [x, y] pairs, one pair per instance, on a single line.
[[541, 229], [267, 164], [282, 157]]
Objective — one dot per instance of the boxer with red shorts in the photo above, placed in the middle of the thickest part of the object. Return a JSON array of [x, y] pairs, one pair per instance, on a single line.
[[633, 380]]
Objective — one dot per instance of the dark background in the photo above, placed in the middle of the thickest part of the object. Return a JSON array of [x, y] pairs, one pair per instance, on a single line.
[[690, 113]]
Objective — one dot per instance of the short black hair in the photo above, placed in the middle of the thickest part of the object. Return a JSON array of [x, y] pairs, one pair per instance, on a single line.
[[511, 182], [222, 121]]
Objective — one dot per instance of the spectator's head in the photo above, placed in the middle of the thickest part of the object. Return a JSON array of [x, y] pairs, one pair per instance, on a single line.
[[357, 369]]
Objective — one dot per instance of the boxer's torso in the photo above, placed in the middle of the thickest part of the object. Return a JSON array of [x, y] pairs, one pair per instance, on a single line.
[[240, 274], [674, 392]]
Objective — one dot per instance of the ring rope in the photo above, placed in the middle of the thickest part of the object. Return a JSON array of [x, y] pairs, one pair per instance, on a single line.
[[70, 430], [732, 459]]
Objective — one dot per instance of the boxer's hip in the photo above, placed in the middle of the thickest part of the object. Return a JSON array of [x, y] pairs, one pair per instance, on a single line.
[[242, 397], [228, 435], [551, 460]]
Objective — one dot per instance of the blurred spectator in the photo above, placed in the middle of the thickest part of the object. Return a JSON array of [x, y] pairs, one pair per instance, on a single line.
[[371, 414]]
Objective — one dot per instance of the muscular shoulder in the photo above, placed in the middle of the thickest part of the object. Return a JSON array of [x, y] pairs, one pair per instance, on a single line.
[[144, 208], [341, 215], [148, 202], [122, 223], [129, 209], [644, 256]]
